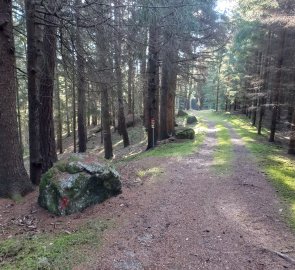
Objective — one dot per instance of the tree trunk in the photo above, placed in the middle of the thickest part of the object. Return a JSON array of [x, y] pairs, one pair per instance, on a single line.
[[33, 94], [105, 65], [171, 98], [152, 109], [47, 135], [13, 176], [143, 80], [81, 88], [218, 85], [19, 118], [67, 108], [59, 116], [166, 74], [264, 85], [277, 88], [130, 77], [118, 63], [291, 149], [74, 110]]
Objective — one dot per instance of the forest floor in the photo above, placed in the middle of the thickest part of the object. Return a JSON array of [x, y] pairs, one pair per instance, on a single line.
[[220, 202]]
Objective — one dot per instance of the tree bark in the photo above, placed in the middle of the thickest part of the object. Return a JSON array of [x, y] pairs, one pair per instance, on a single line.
[[277, 88], [130, 78], [218, 85], [67, 108], [47, 135], [59, 116], [33, 53], [265, 73], [103, 53], [171, 97], [152, 103], [118, 63], [74, 110], [14, 179], [166, 74], [291, 149], [81, 88]]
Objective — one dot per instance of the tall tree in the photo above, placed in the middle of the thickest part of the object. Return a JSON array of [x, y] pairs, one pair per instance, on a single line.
[[153, 83], [47, 135], [33, 54], [13, 176], [277, 87], [81, 84], [118, 63], [104, 66]]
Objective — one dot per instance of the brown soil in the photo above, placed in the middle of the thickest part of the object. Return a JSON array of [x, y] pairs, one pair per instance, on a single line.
[[188, 217], [192, 217]]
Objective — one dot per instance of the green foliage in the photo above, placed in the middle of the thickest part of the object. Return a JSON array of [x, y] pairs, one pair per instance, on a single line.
[[49, 251]]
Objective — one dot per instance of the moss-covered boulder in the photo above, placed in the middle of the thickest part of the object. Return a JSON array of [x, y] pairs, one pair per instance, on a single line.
[[76, 183], [181, 113], [191, 120], [188, 133]]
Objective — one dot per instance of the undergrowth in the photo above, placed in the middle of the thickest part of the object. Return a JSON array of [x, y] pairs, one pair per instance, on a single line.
[[175, 149], [51, 251]]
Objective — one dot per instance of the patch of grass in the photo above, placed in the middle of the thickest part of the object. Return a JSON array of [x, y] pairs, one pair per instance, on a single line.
[[279, 167], [151, 172], [175, 149], [47, 251], [179, 149], [223, 153]]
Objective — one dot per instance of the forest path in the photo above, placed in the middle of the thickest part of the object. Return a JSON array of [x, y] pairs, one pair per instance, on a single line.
[[195, 217]]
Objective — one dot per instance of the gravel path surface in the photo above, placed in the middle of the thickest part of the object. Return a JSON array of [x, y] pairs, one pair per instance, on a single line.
[[192, 217]]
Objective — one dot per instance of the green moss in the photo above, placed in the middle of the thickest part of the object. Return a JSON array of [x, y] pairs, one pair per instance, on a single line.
[[61, 251], [47, 177], [17, 198], [188, 133], [68, 166]]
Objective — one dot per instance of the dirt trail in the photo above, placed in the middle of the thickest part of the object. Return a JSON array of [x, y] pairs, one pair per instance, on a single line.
[[192, 217]]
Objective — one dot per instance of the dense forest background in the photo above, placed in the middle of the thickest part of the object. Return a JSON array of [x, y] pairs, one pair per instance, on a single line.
[[69, 65]]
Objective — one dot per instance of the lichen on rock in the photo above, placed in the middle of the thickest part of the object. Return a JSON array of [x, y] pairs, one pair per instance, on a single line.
[[76, 183]]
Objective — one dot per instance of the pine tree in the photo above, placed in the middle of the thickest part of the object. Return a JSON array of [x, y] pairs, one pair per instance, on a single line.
[[13, 176]]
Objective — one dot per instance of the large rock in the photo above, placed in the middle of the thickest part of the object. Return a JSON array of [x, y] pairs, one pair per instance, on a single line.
[[181, 113], [191, 120], [188, 133], [76, 183]]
